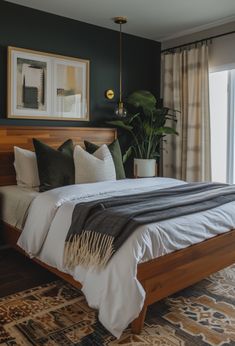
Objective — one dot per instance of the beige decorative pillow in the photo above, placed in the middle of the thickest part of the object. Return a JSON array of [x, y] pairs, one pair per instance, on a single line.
[[26, 168], [91, 168]]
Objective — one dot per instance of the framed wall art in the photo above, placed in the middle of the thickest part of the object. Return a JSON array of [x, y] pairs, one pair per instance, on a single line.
[[47, 86]]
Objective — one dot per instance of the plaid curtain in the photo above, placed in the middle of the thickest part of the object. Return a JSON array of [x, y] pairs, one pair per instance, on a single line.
[[186, 88]]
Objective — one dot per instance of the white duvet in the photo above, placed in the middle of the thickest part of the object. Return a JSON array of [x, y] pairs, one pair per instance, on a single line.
[[115, 290]]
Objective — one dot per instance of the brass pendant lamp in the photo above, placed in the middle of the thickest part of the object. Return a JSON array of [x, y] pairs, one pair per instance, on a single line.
[[120, 110]]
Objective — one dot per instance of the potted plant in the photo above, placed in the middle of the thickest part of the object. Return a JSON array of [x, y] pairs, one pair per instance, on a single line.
[[146, 123]]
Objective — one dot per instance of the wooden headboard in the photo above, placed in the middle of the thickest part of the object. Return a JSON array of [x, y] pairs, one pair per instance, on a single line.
[[21, 136]]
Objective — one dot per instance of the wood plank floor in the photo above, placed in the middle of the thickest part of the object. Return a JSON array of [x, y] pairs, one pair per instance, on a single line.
[[18, 273]]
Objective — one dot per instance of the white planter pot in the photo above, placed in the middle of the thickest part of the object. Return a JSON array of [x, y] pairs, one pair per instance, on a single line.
[[144, 168]]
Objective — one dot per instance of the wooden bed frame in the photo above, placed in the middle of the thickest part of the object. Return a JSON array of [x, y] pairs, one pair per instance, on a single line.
[[160, 277]]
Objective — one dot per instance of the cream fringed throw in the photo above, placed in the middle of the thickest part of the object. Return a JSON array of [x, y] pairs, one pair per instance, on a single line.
[[99, 228], [88, 249]]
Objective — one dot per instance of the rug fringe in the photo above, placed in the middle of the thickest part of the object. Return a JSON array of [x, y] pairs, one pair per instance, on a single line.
[[89, 249]]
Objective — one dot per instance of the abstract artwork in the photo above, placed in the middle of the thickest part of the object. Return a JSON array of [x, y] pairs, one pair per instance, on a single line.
[[31, 84], [70, 84], [47, 86]]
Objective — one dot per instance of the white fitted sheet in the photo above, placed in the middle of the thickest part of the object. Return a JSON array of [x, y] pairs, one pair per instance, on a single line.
[[14, 204]]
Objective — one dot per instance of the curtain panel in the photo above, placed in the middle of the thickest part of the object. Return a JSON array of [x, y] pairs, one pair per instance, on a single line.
[[186, 89]]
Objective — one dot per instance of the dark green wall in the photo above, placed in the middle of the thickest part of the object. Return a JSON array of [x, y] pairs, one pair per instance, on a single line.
[[27, 28]]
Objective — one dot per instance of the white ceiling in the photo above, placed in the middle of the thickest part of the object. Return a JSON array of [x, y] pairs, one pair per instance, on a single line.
[[154, 19]]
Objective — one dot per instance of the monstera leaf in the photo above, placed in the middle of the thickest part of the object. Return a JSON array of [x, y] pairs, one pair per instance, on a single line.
[[143, 99]]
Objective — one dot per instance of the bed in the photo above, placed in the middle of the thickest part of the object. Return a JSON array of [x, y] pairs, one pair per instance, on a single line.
[[159, 277]]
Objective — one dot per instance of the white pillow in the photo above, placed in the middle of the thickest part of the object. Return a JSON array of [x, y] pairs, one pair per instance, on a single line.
[[93, 168], [26, 168]]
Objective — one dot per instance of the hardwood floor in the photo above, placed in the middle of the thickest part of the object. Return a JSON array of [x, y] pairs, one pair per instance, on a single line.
[[18, 273]]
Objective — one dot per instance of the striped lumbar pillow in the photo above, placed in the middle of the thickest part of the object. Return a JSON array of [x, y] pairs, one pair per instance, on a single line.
[[93, 168]]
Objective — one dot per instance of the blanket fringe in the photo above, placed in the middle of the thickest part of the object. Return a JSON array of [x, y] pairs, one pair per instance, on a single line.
[[89, 249]]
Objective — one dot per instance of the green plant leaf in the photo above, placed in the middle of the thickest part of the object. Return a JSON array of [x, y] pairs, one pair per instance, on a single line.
[[132, 117], [147, 128], [142, 98], [127, 154], [166, 130], [155, 155], [121, 124]]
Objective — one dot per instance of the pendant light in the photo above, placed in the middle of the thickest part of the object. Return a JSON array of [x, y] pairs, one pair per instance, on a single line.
[[120, 110]]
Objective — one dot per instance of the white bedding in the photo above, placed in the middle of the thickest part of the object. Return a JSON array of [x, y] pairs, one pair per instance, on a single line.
[[115, 291], [15, 201]]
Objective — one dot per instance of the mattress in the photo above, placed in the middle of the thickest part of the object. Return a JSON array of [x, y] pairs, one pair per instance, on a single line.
[[14, 204]]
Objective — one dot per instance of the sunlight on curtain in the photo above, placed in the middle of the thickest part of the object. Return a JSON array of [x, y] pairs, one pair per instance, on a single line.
[[219, 125]]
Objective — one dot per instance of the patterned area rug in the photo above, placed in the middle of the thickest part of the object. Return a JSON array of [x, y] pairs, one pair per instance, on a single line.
[[57, 314]]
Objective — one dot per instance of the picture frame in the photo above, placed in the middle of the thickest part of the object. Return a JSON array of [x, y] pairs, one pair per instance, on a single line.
[[47, 86]]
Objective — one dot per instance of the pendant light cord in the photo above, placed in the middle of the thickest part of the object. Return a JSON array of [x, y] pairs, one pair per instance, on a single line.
[[120, 20], [120, 65]]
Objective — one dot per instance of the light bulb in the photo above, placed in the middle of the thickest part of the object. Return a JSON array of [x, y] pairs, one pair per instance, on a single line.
[[120, 110]]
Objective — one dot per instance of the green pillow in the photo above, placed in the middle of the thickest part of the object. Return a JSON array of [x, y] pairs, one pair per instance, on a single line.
[[55, 167], [116, 153]]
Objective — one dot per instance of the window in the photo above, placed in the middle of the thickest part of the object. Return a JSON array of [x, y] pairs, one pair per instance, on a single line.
[[222, 100]]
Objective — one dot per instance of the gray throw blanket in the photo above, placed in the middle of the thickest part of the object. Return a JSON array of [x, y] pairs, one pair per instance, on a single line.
[[100, 227]]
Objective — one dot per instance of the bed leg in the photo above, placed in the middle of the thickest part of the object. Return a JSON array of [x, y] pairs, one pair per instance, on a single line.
[[138, 323]]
